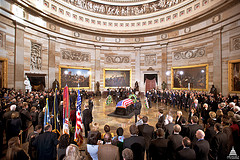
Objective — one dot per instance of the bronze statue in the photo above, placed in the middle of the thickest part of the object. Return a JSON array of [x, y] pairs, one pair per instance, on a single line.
[[136, 86], [164, 85], [55, 84]]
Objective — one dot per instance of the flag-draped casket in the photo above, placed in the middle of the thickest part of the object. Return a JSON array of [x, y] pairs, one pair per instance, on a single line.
[[124, 107]]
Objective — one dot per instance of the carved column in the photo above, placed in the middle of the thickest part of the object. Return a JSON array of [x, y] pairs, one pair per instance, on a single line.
[[19, 57], [217, 59], [97, 67], [164, 63], [51, 60], [137, 66]]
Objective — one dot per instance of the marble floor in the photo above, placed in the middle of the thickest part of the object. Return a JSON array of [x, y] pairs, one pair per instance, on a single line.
[[101, 110]]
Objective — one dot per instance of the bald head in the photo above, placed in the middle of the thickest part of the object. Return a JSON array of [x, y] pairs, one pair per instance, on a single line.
[[200, 134]]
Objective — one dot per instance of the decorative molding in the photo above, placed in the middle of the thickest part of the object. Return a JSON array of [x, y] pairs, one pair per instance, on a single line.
[[117, 59], [150, 60], [52, 27], [117, 40], [235, 43], [123, 10], [197, 52], [187, 30], [2, 39], [75, 55], [216, 18], [98, 38], [36, 56], [76, 34], [150, 69]]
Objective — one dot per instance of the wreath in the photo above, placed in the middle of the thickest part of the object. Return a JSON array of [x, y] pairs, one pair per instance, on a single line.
[[133, 97]]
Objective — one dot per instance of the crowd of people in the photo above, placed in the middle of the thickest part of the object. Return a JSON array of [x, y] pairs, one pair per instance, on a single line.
[[210, 131]]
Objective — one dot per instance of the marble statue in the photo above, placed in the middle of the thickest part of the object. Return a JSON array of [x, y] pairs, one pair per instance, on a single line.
[[28, 87]]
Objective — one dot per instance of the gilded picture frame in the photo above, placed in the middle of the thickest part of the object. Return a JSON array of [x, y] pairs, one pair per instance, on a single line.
[[234, 76], [195, 75], [114, 78], [4, 72], [75, 77]]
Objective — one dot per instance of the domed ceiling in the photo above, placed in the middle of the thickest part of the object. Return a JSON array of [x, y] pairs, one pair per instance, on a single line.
[[124, 17]]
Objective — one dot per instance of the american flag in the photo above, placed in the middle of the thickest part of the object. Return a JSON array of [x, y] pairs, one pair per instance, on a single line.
[[124, 103], [79, 125]]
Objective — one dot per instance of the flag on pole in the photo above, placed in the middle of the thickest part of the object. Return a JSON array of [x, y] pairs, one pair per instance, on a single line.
[[46, 115], [79, 125], [55, 113], [66, 111]]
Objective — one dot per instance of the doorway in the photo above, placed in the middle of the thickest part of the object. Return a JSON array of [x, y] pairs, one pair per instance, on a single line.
[[3, 72], [150, 81], [37, 81]]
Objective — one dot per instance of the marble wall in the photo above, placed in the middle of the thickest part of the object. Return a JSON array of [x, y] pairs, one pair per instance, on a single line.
[[41, 46]]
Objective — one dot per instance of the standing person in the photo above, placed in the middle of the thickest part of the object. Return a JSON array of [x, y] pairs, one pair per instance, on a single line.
[[135, 143], [63, 144], [158, 147], [14, 126], [186, 153], [169, 127], [90, 103], [46, 144], [87, 119], [192, 128], [174, 143], [92, 146], [202, 146], [73, 116], [34, 115], [219, 143], [179, 118], [31, 137], [137, 109], [161, 119], [205, 114], [26, 118], [14, 151], [146, 131], [108, 151]]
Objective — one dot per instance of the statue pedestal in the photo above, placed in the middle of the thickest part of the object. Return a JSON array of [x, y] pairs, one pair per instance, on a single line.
[[98, 93]]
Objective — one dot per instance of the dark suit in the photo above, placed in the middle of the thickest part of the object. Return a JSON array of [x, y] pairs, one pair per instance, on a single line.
[[26, 118], [184, 130], [87, 119], [168, 129], [192, 128], [137, 109], [209, 134], [186, 154], [146, 131], [201, 148], [160, 122], [46, 146], [219, 146], [174, 145], [137, 145], [178, 121], [158, 148]]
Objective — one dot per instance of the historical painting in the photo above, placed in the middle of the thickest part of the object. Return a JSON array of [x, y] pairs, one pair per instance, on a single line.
[[234, 76], [74, 77], [117, 78], [190, 77]]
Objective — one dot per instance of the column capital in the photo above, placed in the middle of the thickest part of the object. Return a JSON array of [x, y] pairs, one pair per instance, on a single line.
[[50, 37], [137, 47], [217, 30], [97, 46], [163, 44], [19, 25]]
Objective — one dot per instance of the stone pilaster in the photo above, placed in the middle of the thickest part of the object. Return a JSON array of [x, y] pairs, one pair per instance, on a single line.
[[51, 60], [164, 63], [19, 57], [217, 59], [97, 66], [137, 65]]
